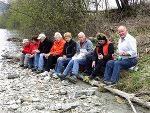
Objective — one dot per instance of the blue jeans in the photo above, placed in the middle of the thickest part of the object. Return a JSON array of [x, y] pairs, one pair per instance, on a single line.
[[31, 62], [74, 65], [39, 61], [60, 63], [113, 67]]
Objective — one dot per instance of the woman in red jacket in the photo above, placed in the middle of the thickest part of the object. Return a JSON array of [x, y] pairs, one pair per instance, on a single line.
[[55, 52]]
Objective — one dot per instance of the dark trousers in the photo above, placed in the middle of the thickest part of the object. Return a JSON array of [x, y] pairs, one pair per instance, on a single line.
[[51, 61], [99, 68]]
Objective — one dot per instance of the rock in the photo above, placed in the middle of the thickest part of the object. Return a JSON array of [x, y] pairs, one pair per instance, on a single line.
[[12, 76], [85, 92], [63, 92], [35, 100], [39, 107], [14, 107], [47, 79]]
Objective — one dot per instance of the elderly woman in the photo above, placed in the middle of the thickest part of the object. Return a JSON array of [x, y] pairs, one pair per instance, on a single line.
[[68, 53], [55, 52], [102, 53]]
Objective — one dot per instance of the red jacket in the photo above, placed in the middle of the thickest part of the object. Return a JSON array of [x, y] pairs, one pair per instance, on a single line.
[[57, 47], [26, 48], [34, 47]]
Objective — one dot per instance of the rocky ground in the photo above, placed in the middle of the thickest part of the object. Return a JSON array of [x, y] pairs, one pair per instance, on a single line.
[[23, 91]]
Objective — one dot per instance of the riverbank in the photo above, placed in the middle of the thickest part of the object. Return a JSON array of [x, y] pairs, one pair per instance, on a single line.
[[24, 91]]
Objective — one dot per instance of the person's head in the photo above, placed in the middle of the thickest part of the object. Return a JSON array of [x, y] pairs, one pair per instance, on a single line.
[[122, 31], [57, 36], [41, 37], [81, 37], [34, 40], [26, 41], [102, 38], [67, 36]]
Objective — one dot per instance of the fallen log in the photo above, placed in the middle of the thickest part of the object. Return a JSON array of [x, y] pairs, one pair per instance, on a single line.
[[129, 97]]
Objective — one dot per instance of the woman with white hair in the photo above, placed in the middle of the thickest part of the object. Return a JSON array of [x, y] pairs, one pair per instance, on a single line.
[[68, 53], [54, 53]]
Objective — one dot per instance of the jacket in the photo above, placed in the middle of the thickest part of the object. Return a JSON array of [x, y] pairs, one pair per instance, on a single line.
[[88, 45], [57, 48], [34, 47], [69, 48], [106, 50], [26, 48], [45, 46]]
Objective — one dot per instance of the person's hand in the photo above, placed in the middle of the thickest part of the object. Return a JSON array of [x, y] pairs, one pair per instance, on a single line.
[[36, 51], [46, 56], [100, 56], [21, 49], [31, 56], [93, 64], [64, 57], [121, 53]]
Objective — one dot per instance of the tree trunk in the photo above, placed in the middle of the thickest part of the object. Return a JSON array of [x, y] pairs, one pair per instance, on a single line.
[[118, 5], [129, 97]]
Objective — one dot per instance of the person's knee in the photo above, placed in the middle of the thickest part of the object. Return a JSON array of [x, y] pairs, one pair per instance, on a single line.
[[109, 63], [117, 63]]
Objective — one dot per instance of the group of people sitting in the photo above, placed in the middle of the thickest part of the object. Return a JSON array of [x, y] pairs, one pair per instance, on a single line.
[[65, 57]]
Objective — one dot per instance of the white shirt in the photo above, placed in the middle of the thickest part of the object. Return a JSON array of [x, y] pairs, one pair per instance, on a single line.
[[128, 45]]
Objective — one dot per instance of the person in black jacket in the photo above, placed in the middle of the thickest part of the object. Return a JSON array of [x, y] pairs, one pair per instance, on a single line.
[[103, 52], [68, 52], [44, 48]]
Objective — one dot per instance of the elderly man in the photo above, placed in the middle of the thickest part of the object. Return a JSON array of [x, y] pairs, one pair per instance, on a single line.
[[127, 51], [84, 47], [44, 47], [55, 52]]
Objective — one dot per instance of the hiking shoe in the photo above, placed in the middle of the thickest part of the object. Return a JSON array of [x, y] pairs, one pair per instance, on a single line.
[[73, 79], [55, 75], [91, 77], [62, 76], [45, 73], [39, 71]]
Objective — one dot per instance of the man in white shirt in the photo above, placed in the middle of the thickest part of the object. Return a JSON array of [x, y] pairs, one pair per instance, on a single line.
[[127, 51]]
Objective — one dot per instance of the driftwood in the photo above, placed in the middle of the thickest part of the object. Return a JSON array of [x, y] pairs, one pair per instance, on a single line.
[[129, 97]]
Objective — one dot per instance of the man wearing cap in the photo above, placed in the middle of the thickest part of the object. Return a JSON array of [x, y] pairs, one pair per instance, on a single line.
[[44, 47], [127, 50], [102, 53]]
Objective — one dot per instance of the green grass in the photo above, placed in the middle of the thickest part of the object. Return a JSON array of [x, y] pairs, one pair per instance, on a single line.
[[136, 81]]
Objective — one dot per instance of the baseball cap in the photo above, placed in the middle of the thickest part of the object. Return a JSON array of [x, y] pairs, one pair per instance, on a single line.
[[41, 36]]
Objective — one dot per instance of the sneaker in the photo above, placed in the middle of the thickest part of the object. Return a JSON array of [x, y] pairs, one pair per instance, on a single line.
[[24, 67], [34, 69], [21, 65], [80, 76], [73, 79], [55, 75], [108, 82], [39, 71], [45, 73]]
